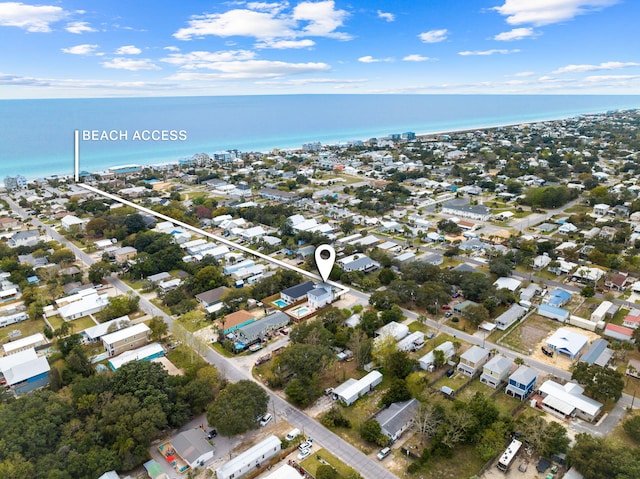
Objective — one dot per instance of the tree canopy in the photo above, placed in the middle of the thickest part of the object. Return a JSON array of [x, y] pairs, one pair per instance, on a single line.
[[237, 409]]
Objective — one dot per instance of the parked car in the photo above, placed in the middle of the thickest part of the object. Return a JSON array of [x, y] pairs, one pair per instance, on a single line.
[[383, 453], [266, 419], [446, 306], [304, 454], [306, 444], [448, 314], [450, 372], [213, 433]]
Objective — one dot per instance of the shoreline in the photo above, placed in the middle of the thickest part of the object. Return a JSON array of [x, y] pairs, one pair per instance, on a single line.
[[174, 160]]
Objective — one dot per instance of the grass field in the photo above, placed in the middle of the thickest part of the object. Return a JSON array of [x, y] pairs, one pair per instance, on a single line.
[[27, 328], [320, 457]]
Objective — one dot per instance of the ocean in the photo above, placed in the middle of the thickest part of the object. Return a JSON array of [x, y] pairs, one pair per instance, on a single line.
[[37, 136]]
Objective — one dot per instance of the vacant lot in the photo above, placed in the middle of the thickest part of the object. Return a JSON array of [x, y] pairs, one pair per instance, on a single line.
[[530, 333]]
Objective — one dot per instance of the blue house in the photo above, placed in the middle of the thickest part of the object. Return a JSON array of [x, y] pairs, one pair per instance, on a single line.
[[522, 382], [558, 298], [552, 312]]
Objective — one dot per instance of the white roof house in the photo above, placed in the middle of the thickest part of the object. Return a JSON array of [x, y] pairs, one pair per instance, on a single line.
[[8, 362], [249, 459], [70, 221], [568, 400], [567, 342], [411, 342], [395, 330], [148, 351], [429, 359], [511, 284], [88, 304], [27, 370], [352, 389], [96, 332], [24, 343], [601, 311], [510, 316]]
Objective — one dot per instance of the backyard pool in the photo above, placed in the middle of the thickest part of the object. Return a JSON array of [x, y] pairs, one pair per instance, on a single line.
[[301, 311], [280, 303]]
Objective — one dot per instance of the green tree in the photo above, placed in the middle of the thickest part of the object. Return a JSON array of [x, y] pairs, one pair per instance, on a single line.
[[632, 428], [587, 292], [398, 391], [476, 313], [599, 383], [554, 439], [98, 271], [159, 328], [237, 408], [63, 255], [326, 472], [371, 431]]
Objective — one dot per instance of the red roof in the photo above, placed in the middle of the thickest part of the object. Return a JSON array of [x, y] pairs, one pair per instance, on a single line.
[[632, 319], [619, 329]]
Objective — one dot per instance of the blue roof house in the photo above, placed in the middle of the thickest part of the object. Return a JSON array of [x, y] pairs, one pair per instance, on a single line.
[[558, 298], [522, 382]]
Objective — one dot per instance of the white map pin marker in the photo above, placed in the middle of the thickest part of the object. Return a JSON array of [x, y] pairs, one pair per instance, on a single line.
[[325, 257]]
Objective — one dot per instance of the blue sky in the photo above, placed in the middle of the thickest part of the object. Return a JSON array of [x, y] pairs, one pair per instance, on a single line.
[[67, 48]]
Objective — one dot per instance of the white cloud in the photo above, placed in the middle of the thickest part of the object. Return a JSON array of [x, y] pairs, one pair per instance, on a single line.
[[171, 49], [547, 12], [237, 23], [130, 64], [312, 81], [210, 60], [524, 74], [32, 18], [488, 52], [389, 17], [516, 34], [265, 21], [601, 66], [84, 49], [434, 36], [323, 19], [286, 44], [370, 59], [609, 78], [128, 50], [251, 69], [79, 27], [74, 84], [416, 58]]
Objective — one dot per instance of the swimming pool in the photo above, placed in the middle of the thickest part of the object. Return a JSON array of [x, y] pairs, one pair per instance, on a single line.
[[280, 303], [301, 311]]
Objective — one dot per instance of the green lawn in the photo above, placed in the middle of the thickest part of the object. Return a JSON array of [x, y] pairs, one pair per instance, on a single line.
[[56, 321], [321, 456], [82, 323], [193, 321], [27, 328], [185, 358]]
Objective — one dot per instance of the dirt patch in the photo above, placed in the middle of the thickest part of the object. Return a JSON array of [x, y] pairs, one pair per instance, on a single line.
[[558, 360]]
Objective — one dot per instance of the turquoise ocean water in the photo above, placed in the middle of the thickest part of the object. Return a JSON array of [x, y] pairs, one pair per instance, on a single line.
[[36, 136]]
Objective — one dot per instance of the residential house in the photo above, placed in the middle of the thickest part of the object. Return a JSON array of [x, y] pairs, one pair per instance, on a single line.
[[598, 353], [434, 259], [617, 281], [84, 305], [21, 344], [601, 209], [510, 316], [393, 330], [568, 401], [409, 256], [260, 328], [250, 459], [352, 389], [541, 261], [462, 209], [193, 447], [620, 333], [8, 223], [277, 195], [211, 300], [567, 342], [358, 262], [460, 307], [320, 296], [601, 312], [22, 372], [397, 418], [522, 382], [472, 360], [124, 254], [632, 320], [495, 371], [143, 353], [412, 342], [95, 333], [296, 293], [126, 339], [236, 320], [428, 360], [24, 238], [558, 298], [511, 284], [552, 312], [71, 222], [527, 294]]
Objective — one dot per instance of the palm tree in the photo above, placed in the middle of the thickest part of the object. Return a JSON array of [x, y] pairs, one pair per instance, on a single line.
[[519, 361]]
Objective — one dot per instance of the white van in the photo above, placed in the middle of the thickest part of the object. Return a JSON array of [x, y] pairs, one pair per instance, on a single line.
[[292, 434]]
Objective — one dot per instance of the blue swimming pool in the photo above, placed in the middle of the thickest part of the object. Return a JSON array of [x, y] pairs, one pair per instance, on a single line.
[[280, 303]]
